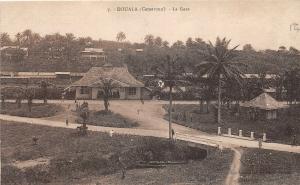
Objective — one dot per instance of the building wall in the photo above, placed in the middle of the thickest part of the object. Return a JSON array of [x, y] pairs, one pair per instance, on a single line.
[[95, 93], [137, 96], [123, 92], [78, 95]]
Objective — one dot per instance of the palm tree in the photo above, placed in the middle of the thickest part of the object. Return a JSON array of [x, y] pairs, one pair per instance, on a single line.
[[121, 36], [27, 38], [171, 77], [219, 66], [69, 42], [5, 39], [18, 39], [44, 87], [149, 40], [291, 84], [278, 79], [29, 96], [106, 86]]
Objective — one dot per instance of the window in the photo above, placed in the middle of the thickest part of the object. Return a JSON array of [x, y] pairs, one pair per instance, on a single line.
[[131, 91], [84, 90]]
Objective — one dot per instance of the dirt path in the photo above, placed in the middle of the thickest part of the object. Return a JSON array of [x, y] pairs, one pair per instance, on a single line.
[[234, 172], [31, 163], [152, 123]]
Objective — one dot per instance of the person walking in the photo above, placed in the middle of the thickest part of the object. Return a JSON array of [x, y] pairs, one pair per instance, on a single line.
[[63, 96], [294, 140], [259, 143], [173, 135]]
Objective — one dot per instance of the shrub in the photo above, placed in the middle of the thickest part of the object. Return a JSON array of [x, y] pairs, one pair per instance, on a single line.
[[38, 174], [11, 175]]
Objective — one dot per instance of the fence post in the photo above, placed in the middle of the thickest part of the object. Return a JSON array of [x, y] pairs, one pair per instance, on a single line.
[[229, 131], [219, 130], [264, 137], [252, 135], [240, 133]]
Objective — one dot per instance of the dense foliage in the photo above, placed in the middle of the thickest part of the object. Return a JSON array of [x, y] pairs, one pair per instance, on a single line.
[[58, 52]]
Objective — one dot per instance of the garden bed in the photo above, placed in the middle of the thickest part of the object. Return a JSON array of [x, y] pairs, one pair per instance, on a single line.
[[108, 119], [38, 110]]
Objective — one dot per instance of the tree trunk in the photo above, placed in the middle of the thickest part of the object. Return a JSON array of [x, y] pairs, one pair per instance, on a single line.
[[106, 104], [201, 105], [219, 101], [207, 106], [2, 102], [29, 106], [170, 113], [84, 123]]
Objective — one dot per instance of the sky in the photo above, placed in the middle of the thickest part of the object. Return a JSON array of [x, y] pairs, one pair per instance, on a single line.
[[263, 24]]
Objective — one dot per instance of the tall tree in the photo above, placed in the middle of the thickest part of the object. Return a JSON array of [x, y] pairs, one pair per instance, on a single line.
[[158, 41], [171, 76], [293, 51], [29, 92], [149, 40], [121, 36], [219, 65], [18, 39], [278, 83], [291, 83], [27, 39], [189, 43], [248, 47], [44, 88], [106, 86], [165, 44], [178, 44], [69, 43], [5, 39]]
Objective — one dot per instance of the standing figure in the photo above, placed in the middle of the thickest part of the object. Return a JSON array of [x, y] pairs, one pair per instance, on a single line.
[[294, 140], [173, 135]]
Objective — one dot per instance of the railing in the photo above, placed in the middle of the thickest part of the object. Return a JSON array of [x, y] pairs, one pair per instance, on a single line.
[[196, 139]]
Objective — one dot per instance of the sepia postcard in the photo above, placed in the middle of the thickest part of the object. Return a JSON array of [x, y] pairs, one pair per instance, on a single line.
[[159, 92]]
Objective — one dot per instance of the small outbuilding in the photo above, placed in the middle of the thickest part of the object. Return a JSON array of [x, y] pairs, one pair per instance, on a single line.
[[263, 106]]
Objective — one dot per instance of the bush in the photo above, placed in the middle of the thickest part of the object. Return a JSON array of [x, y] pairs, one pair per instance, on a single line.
[[164, 150], [11, 175], [38, 174], [37, 111]]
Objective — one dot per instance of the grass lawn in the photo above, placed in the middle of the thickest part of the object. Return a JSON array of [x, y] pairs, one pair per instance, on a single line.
[[75, 159], [108, 119], [269, 167], [38, 110], [276, 130]]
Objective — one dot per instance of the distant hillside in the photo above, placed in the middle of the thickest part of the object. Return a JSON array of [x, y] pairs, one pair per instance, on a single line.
[[62, 53]]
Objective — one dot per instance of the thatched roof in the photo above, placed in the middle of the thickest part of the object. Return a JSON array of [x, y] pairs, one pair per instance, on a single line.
[[119, 75], [265, 102]]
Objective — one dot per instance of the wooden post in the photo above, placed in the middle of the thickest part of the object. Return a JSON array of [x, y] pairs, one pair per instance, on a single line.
[[240, 133], [170, 113], [229, 131], [252, 135], [219, 130], [264, 137]]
